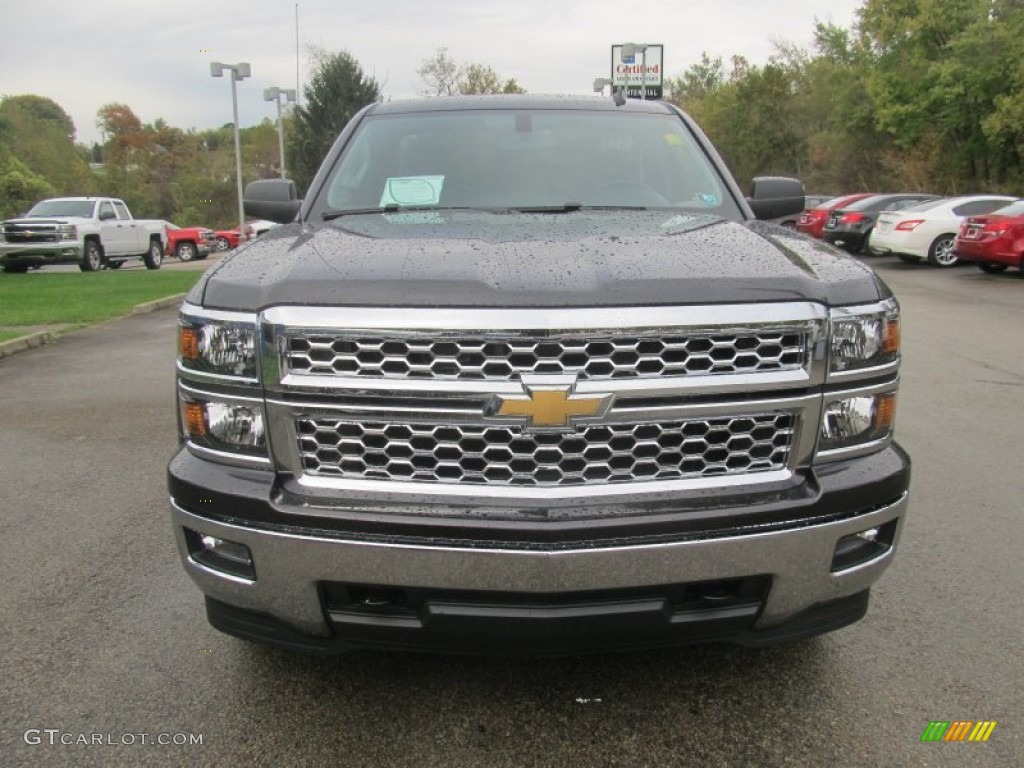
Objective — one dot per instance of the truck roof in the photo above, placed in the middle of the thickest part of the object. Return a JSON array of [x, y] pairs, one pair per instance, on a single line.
[[516, 101], [85, 198]]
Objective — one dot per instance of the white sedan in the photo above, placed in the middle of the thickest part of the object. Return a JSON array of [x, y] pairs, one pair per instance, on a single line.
[[927, 231]]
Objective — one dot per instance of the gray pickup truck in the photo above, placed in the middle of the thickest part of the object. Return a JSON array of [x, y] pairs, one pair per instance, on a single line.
[[93, 232], [526, 375]]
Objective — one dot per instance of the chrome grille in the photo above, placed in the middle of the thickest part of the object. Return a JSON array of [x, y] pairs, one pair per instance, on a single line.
[[588, 357], [22, 234], [509, 455]]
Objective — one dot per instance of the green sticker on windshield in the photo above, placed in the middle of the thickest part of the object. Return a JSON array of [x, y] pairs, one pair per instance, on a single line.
[[412, 190]]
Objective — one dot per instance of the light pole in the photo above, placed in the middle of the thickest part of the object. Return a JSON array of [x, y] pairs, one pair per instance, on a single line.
[[275, 94], [238, 72]]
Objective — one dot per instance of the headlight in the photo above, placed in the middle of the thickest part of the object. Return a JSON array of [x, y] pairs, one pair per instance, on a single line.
[[231, 427], [67, 232], [219, 343], [857, 421], [864, 337]]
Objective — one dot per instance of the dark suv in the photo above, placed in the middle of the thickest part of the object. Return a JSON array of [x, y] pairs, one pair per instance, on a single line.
[[850, 227], [525, 375]]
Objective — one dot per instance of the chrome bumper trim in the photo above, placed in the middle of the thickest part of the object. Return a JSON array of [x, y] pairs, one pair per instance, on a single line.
[[289, 566]]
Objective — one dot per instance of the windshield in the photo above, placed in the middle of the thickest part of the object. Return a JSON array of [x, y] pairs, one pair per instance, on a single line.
[[516, 159], [79, 208]]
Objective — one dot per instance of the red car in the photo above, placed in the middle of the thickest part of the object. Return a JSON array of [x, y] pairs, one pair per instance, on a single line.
[[188, 243], [812, 221], [228, 238], [994, 241]]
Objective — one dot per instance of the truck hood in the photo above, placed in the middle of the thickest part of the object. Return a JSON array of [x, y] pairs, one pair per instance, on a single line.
[[575, 259]]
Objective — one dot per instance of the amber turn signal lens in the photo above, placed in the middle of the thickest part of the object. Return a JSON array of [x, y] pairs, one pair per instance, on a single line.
[[188, 343], [885, 412], [891, 337], [195, 419]]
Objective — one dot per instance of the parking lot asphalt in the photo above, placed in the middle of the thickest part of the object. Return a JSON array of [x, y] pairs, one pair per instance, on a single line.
[[104, 635]]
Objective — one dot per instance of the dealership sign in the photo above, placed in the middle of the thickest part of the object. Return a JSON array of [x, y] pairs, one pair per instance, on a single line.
[[631, 72]]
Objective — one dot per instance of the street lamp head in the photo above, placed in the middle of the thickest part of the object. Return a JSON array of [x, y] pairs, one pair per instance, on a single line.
[[242, 70], [216, 69], [600, 83], [629, 50], [289, 94], [271, 94]]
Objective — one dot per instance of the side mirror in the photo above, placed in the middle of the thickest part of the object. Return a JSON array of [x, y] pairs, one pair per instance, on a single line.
[[772, 197], [107, 215], [272, 199]]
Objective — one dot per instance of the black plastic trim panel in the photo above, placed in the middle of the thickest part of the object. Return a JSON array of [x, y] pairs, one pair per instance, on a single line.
[[256, 499]]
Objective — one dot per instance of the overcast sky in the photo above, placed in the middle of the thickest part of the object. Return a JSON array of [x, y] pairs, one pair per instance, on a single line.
[[155, 56]]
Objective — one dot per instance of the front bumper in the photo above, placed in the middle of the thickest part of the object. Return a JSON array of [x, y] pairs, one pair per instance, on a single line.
[[35, 254], [650, 577]]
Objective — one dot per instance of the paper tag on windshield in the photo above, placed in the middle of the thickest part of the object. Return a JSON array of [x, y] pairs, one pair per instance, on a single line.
[[412, 190]]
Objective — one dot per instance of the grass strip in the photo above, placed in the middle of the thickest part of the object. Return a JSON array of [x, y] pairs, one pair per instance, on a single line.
[[84, 298]]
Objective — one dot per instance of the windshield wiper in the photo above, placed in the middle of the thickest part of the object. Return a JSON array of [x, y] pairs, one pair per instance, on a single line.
[[571, 207], [395, 208], [563, 208]]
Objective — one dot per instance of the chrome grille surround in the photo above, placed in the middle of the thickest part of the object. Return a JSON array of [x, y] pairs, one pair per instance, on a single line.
[[304, 409], [510, 455]]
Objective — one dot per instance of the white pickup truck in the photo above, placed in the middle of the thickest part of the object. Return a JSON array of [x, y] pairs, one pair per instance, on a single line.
[[93, 232]]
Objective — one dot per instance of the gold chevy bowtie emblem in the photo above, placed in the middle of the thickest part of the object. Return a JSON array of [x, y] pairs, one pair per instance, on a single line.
[[552, 407]]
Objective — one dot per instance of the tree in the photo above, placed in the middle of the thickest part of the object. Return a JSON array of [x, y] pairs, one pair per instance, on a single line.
[[940, 69], [444, 76], [337, 90], [480, 79], [440, 75], [37, 149], [20, 188], [697, 82]]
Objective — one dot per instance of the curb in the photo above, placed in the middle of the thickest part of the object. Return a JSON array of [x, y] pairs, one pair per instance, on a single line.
[[22, 343], [152, 306]]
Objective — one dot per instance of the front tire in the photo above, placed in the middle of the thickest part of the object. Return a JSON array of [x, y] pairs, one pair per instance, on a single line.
[[154, 257], [223, 244], [92, 257], [941, 253], [186, 252], [16, 269], [992, 269]]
